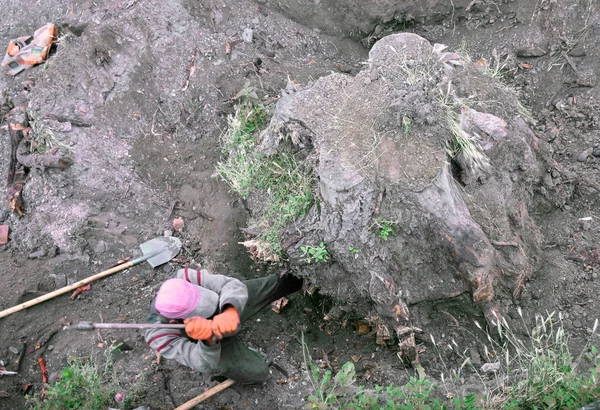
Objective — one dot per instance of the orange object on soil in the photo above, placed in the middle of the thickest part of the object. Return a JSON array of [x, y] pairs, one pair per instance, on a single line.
[[27, 51]]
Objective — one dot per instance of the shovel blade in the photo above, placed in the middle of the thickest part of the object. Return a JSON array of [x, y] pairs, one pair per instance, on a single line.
[[162, 249]]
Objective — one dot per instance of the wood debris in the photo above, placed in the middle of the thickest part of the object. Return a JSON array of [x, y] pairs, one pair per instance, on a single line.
[[279, 304], [80, 290], [191, 69], [44, 375], [260, 250]]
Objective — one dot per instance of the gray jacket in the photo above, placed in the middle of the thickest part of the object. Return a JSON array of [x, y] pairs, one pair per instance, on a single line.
[[216, 292]]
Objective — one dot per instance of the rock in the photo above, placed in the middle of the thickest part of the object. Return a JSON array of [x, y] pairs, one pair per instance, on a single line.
[[585, 224], [490, 367], [577, 323], [37, 254], [474, 356], [54, 376], [123, 345], [99, 247], [13, 350], [178, 224], [585, 154], [60, 280], [227, 397], [4, 214], [530, 51], [248, 35], [168, 233], [4, 231], [577, 52]]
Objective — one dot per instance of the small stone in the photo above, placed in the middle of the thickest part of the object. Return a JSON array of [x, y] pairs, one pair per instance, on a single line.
[[178, 224], [228, 397], [248, 35], [585, 224], [585, 154], [490, 367], [168, 233], [474, 356], [60, 280], [596, 152], [5, 213], [13, 350], [54, 376], [99, 248], [50, 347], [577, 323], [4, 230], [37, 254]]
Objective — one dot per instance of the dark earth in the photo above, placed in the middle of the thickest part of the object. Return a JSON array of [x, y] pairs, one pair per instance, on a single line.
[[143, 130]]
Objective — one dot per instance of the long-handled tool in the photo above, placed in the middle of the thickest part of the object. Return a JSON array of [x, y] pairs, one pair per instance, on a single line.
[[187, 405], [156, 251], [210, 392], [92, 326]]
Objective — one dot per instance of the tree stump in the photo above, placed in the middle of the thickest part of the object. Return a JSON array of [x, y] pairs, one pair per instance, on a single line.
[[426, 168]]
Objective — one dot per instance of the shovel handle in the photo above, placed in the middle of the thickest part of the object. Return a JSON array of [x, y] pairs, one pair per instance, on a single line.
[[210, 392], [75, 285]]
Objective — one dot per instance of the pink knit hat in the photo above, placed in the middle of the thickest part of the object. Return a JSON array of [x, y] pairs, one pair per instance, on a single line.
[[177, 298]]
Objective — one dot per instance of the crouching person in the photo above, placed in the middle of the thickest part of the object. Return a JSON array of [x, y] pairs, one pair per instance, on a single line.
[[213, 307]]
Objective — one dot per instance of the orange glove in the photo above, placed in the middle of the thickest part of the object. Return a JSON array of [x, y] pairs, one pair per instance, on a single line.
[[226, 322], [198, 328]]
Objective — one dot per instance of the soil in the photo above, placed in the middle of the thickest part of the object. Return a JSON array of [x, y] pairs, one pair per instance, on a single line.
[[145, 141]]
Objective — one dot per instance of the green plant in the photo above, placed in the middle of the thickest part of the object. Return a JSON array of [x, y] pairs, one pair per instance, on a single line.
[[80, 387], [385, 231], [495, 68], [283, 181], [328, 389], [44, 139], [541, 368], [354, 251], [315, 253], [536, 372], [406, 124]]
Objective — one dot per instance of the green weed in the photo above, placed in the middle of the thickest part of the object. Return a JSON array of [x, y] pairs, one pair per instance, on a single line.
[[406, 124], [79, 387], [283, 181], [44, 138], [541, 371], [386, 231], [354, 251], [315, 253], [87, 385], [534, 373]]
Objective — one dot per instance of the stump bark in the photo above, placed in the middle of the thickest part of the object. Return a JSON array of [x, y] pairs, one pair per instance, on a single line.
[[388, 154]]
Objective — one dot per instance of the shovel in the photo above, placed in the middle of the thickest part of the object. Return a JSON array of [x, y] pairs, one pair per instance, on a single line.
[[156, 251]]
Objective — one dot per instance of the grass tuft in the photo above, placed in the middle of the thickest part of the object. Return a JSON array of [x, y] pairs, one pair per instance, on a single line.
[[283, 181], [80, 387], [534, 373]]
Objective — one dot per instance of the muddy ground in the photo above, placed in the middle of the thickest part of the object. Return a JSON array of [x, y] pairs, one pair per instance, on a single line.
[[145, 142]]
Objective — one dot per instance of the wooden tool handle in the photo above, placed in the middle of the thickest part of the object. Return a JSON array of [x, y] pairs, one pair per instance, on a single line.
[[210, 392], [66, 289]]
